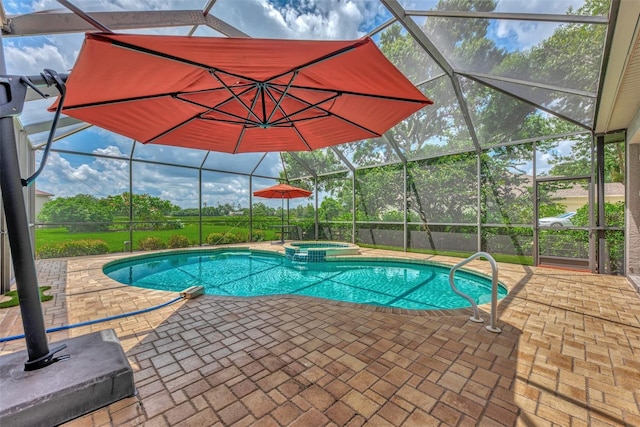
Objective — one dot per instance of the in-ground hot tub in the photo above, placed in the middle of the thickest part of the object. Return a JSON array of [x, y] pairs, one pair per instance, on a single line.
[[317, 251]]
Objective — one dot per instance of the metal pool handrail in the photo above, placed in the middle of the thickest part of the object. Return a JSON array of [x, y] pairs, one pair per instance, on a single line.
[[493, 327]]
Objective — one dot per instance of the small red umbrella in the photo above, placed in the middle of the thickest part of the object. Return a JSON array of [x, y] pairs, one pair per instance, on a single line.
[[282, 191]]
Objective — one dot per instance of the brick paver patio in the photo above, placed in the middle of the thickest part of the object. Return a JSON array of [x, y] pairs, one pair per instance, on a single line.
[[568, 354]]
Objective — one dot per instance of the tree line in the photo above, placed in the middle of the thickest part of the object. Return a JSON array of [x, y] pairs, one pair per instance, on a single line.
[[84, 212]]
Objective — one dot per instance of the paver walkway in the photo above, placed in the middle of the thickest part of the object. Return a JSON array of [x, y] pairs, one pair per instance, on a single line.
[[568, 354]]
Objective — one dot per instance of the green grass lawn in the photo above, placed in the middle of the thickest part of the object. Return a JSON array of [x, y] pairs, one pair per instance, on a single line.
[[116, 239]]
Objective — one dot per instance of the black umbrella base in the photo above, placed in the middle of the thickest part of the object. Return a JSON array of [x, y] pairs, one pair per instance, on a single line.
[[96, 373]]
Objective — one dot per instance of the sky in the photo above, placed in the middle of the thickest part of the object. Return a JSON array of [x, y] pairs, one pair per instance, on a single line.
[[67, 174]]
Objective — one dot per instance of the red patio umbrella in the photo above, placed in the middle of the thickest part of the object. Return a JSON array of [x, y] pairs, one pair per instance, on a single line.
[[238, 94], [282, 191]]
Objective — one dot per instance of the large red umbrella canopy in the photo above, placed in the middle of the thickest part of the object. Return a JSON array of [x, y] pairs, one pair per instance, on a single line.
[[238, 94]]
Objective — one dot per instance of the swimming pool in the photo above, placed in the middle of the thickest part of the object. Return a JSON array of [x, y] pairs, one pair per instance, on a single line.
[[244, 273]]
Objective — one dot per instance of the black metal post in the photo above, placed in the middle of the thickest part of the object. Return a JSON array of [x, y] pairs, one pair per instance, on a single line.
[[19, 240], [600, 181], [18, 227]]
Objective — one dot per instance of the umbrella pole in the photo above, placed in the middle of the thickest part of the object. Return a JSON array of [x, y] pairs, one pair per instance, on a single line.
[[282, 222], [11, 101]]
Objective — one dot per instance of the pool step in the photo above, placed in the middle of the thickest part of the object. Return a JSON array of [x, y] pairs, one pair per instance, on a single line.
[[301, 256]]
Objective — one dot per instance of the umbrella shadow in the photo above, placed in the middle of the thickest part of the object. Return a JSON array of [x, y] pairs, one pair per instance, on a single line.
[[253, 359], [257, 358]]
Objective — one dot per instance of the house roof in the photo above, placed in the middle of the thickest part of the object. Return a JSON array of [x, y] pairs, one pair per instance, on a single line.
[[610, 189], [43, 193]]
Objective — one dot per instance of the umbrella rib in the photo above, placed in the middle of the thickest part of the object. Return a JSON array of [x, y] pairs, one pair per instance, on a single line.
[[235, 149], [304, 141], [264, 107], [220, 104], [249, 110], [276, 86], [326, 57], [287, 116], [329, 114], [117, 101], [246, 88], [253, 106], [179, 125], [199, 115], [242, 120], [146, 97], [351, 122], [284, 93]]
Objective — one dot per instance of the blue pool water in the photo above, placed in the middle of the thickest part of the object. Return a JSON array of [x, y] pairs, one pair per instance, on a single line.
[[244, 273]]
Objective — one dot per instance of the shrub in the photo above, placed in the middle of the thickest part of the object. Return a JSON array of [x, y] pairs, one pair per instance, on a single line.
[[214, 238], [178, 241], [73, 248], [151, 244], [176, 224], [166, 225], [226, 238], [259, 236]]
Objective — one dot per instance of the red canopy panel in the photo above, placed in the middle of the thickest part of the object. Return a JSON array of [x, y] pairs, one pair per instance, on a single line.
[[238, 95]]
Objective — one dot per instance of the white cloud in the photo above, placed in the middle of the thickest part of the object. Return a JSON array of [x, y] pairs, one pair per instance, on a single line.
[[561, 148], [99, 178], [28, 60], [109, 151], [525, 34], [306, 19], [123, 143], [225, 188], [537, 6]]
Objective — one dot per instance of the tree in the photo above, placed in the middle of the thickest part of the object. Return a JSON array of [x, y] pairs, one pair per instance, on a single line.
[[330, 210], [444, 188], [260, 209], [578, 162], [144, 206], [77, 213], [149, 212]]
